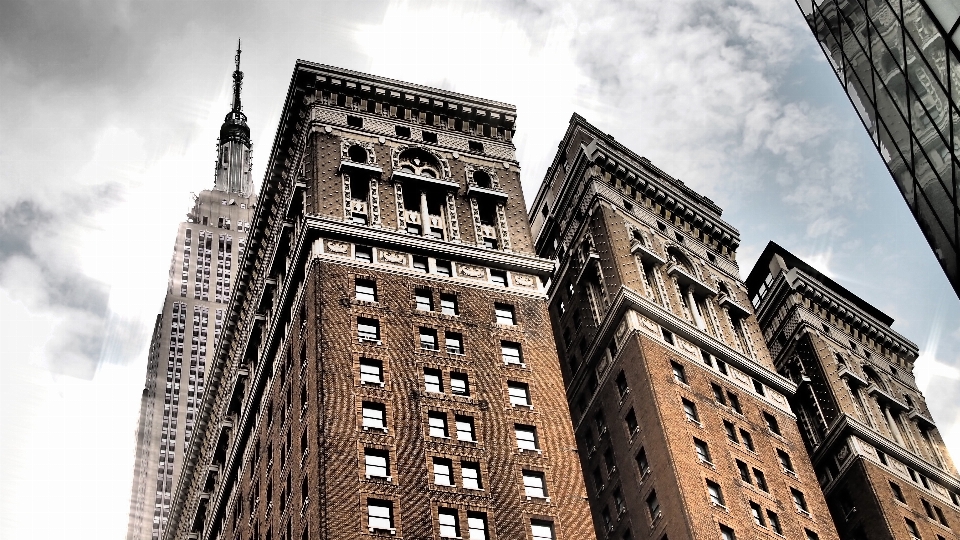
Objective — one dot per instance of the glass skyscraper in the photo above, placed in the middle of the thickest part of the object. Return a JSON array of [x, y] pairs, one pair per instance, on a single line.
[[898, 62]]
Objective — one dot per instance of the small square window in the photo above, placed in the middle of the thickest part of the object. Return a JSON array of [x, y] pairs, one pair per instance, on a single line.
[[475, 146], [519, 393], [376, 463], [448, 304], [442, 472], [428, 339], [526, 437], [374, 416], [758, 387], [504, 314], [424, 299], [716, 494], [438, 425], [465, 429], [897, 492], [541, 530], [419, 263], [371, 371], [444, 268], [379, 515], [366, 290], [534, 484], [511, 353], [679, 373], [449, 523], [436, 232], [772, 423], [667, 336], [703, 451], [433, 380], [454, 342], [690, 410], [354, 121], [813, 536], [415, 229], [430, 137], [368, 329], [403, 131], [498, 277], [459, 384], [470, 473], [363, 253]]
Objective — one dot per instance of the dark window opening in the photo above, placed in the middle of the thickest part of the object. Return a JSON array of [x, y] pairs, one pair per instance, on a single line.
[[476, 146], [402, 131], [354, 121], [430, 137], [482, 179]]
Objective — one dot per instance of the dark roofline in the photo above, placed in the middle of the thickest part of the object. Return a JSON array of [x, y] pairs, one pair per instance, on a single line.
[[760, 269]]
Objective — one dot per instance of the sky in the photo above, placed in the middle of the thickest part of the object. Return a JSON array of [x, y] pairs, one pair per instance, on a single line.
[[110, 110]]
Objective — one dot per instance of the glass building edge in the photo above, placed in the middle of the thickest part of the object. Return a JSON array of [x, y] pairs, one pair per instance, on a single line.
[[911, 111]]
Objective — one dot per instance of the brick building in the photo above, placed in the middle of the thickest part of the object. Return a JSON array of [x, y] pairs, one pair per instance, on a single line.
[[386, 369], [877, 452], [683, 424]]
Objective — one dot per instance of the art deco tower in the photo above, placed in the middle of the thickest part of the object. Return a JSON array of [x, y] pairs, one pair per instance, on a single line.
[[877, 452], [209, 245], [386, 368], [683, 424]]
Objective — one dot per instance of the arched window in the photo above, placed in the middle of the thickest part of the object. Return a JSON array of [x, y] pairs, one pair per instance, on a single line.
[[873, 377], [679, 258], [357, 154], [482, 179], [420, 162]]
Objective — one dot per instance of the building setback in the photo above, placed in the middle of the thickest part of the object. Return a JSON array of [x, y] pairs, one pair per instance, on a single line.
[[680, 417], [899, 63], [386, 368], [877, 452], [202, 271]]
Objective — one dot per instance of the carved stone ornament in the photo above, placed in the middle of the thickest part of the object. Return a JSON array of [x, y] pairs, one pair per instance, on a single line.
[[345, 145], [471, 271], [374, 202], [398, 198], [843, 452], [444, 165], [504, 228], [524, 280], [469, 169], [392, 257], [347, 198], [452, 216], [333, 246]]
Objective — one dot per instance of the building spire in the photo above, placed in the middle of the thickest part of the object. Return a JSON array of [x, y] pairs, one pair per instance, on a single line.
[[237, 80], [233, 161]]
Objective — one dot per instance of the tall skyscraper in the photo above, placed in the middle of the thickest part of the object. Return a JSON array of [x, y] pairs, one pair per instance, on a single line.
[[209, 245], [876, 450], [386, 368], [899, 64], [683, 424]]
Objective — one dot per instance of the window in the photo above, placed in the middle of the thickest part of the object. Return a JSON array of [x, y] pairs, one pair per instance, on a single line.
[[504, 314], [744, 471], [443, 267], [631, 421], [459, 384], [799, 501], [758, 387], [498, 277], [454, 342], [940, 517], [716, 495], [379, 515], [610, 462], [433, 380], [357, 122], [747, 440], [402, 131], [511, 353], [419, 263], [541, 530], [368, 329], [703, 451], [376, 462], [811, 535], [705, 356], [690, 410], [718, 394], [424, 299], [761, 479], [363, 253], [622, 387], [912, 528], [734, 402], [442, 472], [601, 422], [731, 432], [464, 428], [642, 463], [449, 523], [667, 336], [470, 473], [927, 508], [772, 423], [438, 424], [448, 304], [726, 533], [534, 484], [774, 520], [428, 339], [897, 492], [371, 371], [366, 290], [374, 416], [519, 394], [679, 374], [653, 505], [757, 514], [413, 228], [785, 461], [722, 367], [526, 437], [476, 526]]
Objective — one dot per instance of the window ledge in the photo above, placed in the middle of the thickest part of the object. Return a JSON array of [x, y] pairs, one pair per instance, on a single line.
[[371, 428], [370, 340], [391, 531], [538, 499], [377, 477], [537, 450]]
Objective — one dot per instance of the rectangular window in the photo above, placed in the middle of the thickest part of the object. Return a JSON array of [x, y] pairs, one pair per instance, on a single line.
[[799, 501], [679, 374], [716, 495], [438, 425], [519, 393], [758, 387], [448, 304], [642, 464], [476, 526], [363, 253], [424, 299], [470, 473], [690, 410], [526, 437], [774, 520], [443, 267], [442, 472], [371, 371], [631, 421], [667, 336], [413, 228], [730, 431], [368, 329], [504, 314], [366, 290], [912, 528], [436, 232], [927, 508], [376, 462], [761, 479], [744, 471], [734, 403], [718, 394], [772, 423], [785, 461], [449, 523], [747, 440], [379, 515], [534, 484], [465, 430], [653, 505], [541, 530], [498, 277], [428, 339], [703, 451], [459, 384], [757, 514], [897, 492], [454, 342], [813, 536], [433, 380], [374, 416], [622, 387], [726, 533], [419, 263], [511, 353]]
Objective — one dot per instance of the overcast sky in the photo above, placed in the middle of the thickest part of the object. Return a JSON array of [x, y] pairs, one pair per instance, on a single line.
[[109, 113]]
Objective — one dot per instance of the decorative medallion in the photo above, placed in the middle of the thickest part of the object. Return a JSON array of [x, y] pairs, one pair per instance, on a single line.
[[524, 280], [475, 272], [334, 246], [392, 257]]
